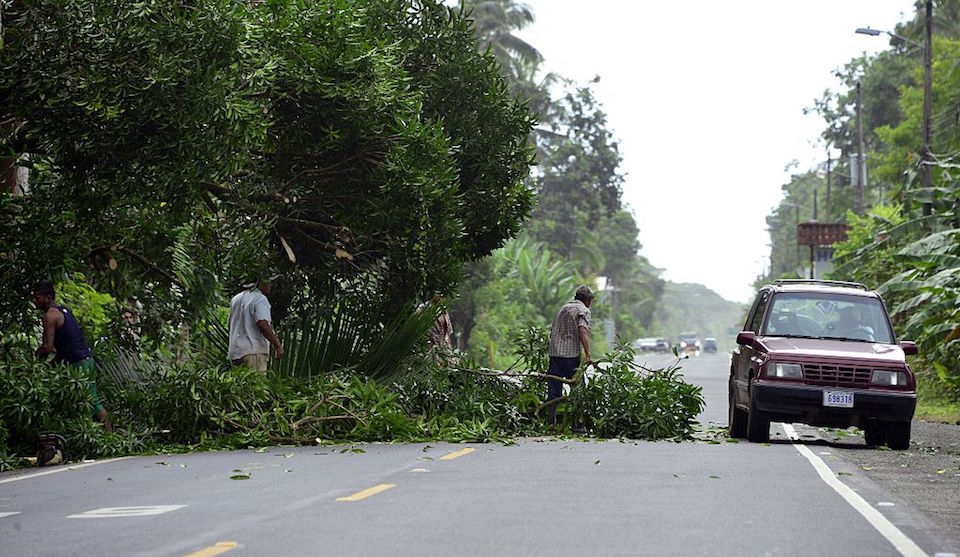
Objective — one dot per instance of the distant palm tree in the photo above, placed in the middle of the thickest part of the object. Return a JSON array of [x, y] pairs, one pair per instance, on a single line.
[[495, 22]]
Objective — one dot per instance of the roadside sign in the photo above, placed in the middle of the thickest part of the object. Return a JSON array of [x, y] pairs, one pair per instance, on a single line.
[[821, 233]]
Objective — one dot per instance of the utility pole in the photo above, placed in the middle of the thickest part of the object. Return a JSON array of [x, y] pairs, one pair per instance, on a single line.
[[926, 157], [826, 205], [813, 248], [860, 165], [796, 230]]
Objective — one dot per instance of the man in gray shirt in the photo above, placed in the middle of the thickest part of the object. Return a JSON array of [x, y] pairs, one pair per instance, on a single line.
[[570, 331], [251, 332]]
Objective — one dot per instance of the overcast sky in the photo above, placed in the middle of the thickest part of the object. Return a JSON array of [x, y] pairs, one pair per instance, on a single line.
[[706, 98]]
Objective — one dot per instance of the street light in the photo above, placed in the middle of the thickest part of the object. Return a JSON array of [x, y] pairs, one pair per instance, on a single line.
[[926, 157], [876, 32]]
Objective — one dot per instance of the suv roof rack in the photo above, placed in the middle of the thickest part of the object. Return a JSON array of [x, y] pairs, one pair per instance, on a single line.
[[783, 282]]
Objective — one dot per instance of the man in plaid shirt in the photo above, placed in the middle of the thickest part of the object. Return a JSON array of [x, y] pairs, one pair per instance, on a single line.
[[571, 329]]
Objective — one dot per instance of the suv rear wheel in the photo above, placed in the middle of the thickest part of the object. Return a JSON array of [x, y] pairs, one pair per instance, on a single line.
[[898, 436], [758, 423]]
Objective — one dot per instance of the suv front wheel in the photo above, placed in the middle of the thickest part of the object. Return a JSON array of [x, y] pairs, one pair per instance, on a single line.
[[758, 423], [873, 435], [736, 418], [898, 436]]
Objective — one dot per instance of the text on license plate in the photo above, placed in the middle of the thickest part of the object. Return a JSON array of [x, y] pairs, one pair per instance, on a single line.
[[841, 399]]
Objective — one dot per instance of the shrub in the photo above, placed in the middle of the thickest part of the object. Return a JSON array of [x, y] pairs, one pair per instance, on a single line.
[[193, 405], [622, 400], [37, 397]]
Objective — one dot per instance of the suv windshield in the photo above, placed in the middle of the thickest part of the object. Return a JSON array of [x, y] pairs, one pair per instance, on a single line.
[[829, 316]]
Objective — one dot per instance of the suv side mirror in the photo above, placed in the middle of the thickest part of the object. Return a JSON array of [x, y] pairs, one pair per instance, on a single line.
[[746, 338], [909, 347]]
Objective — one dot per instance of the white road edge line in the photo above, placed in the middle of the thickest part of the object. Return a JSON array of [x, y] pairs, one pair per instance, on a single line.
[[904, 545], [63, 469]]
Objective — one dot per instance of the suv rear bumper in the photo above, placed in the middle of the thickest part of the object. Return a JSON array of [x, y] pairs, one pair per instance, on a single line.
[[804, 403]]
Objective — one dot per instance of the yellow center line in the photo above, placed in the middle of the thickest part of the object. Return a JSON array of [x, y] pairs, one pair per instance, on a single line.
[[367, 492], [220, 547], [457, 454]]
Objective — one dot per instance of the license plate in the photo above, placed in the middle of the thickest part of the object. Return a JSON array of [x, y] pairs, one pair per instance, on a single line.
[[839, 399]]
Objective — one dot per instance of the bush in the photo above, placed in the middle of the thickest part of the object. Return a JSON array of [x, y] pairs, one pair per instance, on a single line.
[[37, 397], [237, 407], [195, 406], [624, 401], [461, 404], [619, 400]]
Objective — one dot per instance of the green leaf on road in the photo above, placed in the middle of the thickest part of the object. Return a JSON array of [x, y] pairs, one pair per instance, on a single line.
[[240, 477], [712, 477]]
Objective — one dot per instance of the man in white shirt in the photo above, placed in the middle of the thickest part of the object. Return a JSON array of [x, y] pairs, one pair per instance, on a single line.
[[251, 332]]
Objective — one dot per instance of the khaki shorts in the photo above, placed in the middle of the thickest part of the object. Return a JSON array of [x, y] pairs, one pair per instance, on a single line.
[[256, 362]]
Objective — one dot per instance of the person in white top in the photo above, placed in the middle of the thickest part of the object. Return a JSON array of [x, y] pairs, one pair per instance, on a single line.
[[251, 331]]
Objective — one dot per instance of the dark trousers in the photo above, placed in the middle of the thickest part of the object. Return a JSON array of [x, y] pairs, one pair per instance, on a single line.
[[560, 367]]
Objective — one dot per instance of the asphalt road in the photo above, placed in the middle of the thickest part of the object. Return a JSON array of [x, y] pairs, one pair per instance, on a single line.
[[540, 496]]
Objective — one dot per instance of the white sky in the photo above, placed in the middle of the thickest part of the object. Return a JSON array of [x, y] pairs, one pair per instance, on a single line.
[[706, 98]]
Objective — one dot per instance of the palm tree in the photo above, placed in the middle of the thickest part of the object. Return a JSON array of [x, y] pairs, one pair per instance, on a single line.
[[495, 22]]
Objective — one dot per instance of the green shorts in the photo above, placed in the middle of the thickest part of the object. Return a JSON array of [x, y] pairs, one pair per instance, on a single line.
[[90, 367]]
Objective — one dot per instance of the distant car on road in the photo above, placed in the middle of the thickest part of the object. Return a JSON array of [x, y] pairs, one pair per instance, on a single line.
[[662, 345], [821, 353], [709, 344], [646, 344], [689, 344]]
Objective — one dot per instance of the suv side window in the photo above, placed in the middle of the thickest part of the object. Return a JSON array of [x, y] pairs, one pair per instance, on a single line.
[[753, 310], [757, 317]]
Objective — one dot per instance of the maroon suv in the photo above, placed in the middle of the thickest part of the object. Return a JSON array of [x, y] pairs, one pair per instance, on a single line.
[[821, 353]]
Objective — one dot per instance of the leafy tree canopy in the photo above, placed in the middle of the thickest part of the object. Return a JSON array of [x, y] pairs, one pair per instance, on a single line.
[[369, 145]]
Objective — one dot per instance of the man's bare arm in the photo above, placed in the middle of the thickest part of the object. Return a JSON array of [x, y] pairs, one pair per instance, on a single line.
[[267, 331], [49, 321], [585, 341]]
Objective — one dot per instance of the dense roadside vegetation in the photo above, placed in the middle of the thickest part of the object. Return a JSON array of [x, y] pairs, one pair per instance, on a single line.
[[372, 153], [906, 244], [193, 406]]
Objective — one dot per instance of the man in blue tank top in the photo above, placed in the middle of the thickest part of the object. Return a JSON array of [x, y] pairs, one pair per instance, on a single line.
[[63, 338]]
